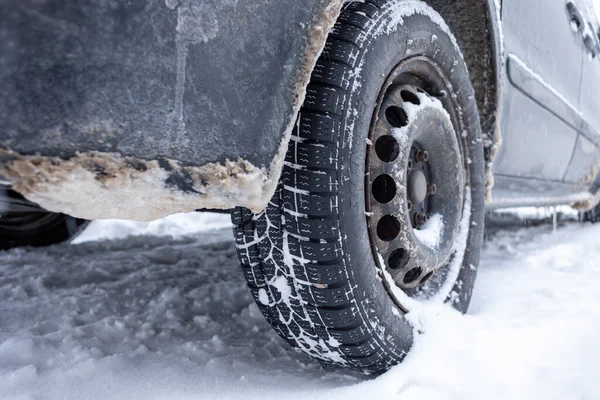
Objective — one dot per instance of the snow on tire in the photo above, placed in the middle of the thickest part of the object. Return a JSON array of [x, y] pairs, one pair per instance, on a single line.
[[330, 282]]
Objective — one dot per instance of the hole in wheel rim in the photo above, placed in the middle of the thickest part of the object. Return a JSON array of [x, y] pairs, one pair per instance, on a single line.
[[396, 116], [410, 97], [384, 189], [426, 278], [388, 228], [398, 259], [387, 148], [412, 276]]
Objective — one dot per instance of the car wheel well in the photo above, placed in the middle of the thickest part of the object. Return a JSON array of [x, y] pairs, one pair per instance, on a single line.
[[481, 46]]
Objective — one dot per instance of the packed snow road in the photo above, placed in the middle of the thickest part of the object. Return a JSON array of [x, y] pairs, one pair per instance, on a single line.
[[150, 317]]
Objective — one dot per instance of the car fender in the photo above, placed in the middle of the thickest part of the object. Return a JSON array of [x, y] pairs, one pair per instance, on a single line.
[[142, 109]]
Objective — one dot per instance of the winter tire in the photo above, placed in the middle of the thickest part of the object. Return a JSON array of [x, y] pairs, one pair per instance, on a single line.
[[592, 215], [36, 228], [381, 200]]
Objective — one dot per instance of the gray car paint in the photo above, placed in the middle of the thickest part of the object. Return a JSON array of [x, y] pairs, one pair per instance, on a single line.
[[586, 159], [550, 133]]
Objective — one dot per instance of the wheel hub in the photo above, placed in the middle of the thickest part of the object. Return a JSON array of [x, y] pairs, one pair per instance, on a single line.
[[417, 186], [415, 174]]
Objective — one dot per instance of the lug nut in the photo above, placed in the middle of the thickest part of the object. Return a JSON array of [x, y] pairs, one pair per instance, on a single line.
[[410, 164], [431, 189], [418, 156], [420, 219], [409, 205], [421, 156]]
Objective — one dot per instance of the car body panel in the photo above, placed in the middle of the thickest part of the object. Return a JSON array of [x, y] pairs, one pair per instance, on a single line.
[[192, 81], [549, 152], [541, 90], [194, 97], [141, 109], [586, 159]]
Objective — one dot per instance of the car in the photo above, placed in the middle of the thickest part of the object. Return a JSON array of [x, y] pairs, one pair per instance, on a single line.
[[357, 144]]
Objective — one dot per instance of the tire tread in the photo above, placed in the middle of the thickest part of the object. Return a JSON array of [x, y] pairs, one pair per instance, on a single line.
[[307, 202]]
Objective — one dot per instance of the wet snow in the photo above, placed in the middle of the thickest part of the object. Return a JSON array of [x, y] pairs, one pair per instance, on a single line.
[[155, 317]]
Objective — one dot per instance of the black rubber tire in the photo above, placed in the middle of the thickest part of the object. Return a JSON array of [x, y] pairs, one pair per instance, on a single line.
[[39, 229], [593, 215], [332, 305]]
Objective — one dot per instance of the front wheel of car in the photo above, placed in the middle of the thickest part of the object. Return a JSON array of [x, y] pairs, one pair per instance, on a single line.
[[380, 204]]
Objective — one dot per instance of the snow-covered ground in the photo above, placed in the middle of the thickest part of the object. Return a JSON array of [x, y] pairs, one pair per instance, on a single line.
[[176, 226], [151, 317]]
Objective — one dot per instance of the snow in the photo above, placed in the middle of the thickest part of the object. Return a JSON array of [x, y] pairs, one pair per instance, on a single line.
[[412, 113], [153, 317], [280, 283], [263, 297], [429, 234], [177, 226]]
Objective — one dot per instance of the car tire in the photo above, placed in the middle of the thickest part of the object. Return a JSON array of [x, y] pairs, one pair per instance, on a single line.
[[326, 276], [592, 215], [38, 228]]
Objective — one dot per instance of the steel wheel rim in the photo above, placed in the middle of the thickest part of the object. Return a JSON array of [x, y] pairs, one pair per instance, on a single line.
[[415, 170]]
